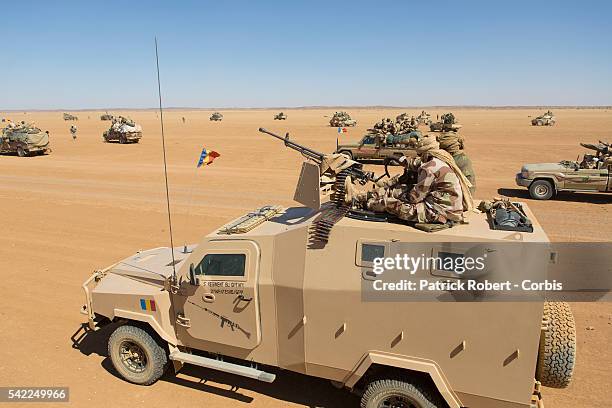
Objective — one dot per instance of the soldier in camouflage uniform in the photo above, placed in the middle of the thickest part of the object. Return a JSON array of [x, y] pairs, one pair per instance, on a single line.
[[453, 144], [441, 193]]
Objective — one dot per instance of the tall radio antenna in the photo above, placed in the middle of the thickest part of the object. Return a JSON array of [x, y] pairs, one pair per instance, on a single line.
[[161, 121]]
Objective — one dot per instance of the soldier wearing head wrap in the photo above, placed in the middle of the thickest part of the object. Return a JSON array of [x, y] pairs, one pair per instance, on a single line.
[[453, 143], [441, 193]]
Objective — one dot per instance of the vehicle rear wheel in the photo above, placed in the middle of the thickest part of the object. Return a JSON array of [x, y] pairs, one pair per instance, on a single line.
[[541, 190], [557, 353], [136, 356], [21, 152], [397, 394]]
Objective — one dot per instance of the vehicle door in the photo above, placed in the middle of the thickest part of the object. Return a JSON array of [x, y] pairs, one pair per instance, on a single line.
[[587, 179], [367, 148], [221, 305]]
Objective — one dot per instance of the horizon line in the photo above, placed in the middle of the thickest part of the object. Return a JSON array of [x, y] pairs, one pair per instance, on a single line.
[[312, 107]]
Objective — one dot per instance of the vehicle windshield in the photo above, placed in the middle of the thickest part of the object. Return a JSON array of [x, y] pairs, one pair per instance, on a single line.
[[367, 140]]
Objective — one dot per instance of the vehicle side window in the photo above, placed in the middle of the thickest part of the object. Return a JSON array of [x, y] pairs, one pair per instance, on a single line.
[[368, 140], [369, 252], [222, 265]]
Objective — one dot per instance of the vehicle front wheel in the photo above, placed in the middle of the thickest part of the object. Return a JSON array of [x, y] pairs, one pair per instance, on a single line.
[[400, 394], [541, 190], [136, 356]]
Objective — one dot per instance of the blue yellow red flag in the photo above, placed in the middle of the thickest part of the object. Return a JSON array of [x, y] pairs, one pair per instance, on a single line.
[[207, 157], [342, 130]]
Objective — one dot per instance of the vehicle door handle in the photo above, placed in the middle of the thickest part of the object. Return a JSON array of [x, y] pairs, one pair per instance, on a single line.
[[241, 297], [208, 297], [181, 320]]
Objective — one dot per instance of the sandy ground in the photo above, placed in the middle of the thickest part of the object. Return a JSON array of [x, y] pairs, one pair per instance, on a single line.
[[91, 203]]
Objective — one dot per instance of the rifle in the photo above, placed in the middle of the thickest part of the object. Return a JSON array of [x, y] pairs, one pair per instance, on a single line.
[[355, 171]]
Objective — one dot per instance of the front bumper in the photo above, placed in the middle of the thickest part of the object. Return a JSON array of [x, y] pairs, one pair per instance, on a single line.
[[88, 285], [522, 181]]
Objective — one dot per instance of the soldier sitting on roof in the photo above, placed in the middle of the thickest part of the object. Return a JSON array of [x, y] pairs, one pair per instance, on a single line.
[[440, 195]]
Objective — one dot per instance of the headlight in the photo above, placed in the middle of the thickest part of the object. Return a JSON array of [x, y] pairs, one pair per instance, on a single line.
[[524, 173]]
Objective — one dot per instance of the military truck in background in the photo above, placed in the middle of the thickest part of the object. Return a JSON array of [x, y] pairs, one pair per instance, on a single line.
[[591, 174], [447, 123], [424, 118], [547, 119], [281, 289], [342, 119], [24, 140], [280, 116], [106, 116], [123, 130], [380, 148], [68, 116], [216, 116]]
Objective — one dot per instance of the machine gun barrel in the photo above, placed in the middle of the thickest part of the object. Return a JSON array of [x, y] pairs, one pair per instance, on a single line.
[[311, 154], [355, 170]]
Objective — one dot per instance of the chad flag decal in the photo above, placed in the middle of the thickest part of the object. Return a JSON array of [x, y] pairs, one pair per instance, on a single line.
[[148, 304]]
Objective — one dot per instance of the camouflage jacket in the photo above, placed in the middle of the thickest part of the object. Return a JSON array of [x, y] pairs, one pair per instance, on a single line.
[[438, 187]]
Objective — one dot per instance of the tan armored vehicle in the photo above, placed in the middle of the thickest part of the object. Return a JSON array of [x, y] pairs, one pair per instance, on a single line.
[[216, 116], [68, 116], [547, 119], [280, 116], [591, 174], [283, 289], [342, 119], [377, 148], [447, 123], [24, 140], [123, 130]]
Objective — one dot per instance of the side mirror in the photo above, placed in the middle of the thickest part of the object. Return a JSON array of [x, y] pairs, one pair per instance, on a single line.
[[193, 279]]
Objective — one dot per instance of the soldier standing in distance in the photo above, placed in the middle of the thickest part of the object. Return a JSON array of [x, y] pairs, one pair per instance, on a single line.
[[73, 132]]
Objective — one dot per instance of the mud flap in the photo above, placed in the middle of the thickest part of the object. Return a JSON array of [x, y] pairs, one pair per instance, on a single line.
[[536, 397]]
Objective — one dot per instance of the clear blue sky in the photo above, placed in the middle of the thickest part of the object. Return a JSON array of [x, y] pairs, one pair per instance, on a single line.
[[85, 54]]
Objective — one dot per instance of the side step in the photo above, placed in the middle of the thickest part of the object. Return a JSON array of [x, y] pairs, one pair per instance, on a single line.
[[223, 366]]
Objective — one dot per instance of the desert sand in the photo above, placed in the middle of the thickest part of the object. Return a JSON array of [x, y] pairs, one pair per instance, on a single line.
[[89, 204]]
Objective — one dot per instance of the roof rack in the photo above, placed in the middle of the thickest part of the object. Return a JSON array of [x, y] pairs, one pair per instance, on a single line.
[[251, 220]]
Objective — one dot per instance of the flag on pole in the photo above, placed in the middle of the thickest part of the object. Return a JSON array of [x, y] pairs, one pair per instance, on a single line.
[[342, 130], [207, 157]]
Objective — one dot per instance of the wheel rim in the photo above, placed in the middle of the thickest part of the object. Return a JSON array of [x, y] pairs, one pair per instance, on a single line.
[[541, 190], [133, 357], [397, 401]]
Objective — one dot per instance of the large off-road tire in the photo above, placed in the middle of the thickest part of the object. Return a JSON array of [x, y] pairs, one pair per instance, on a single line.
[[136, 356], [395, 393], [21, 152], [541, 190], [557, 354]]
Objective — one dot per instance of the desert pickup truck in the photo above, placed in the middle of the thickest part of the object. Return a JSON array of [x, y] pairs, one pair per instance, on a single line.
[[592, 174], [369, 148]]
